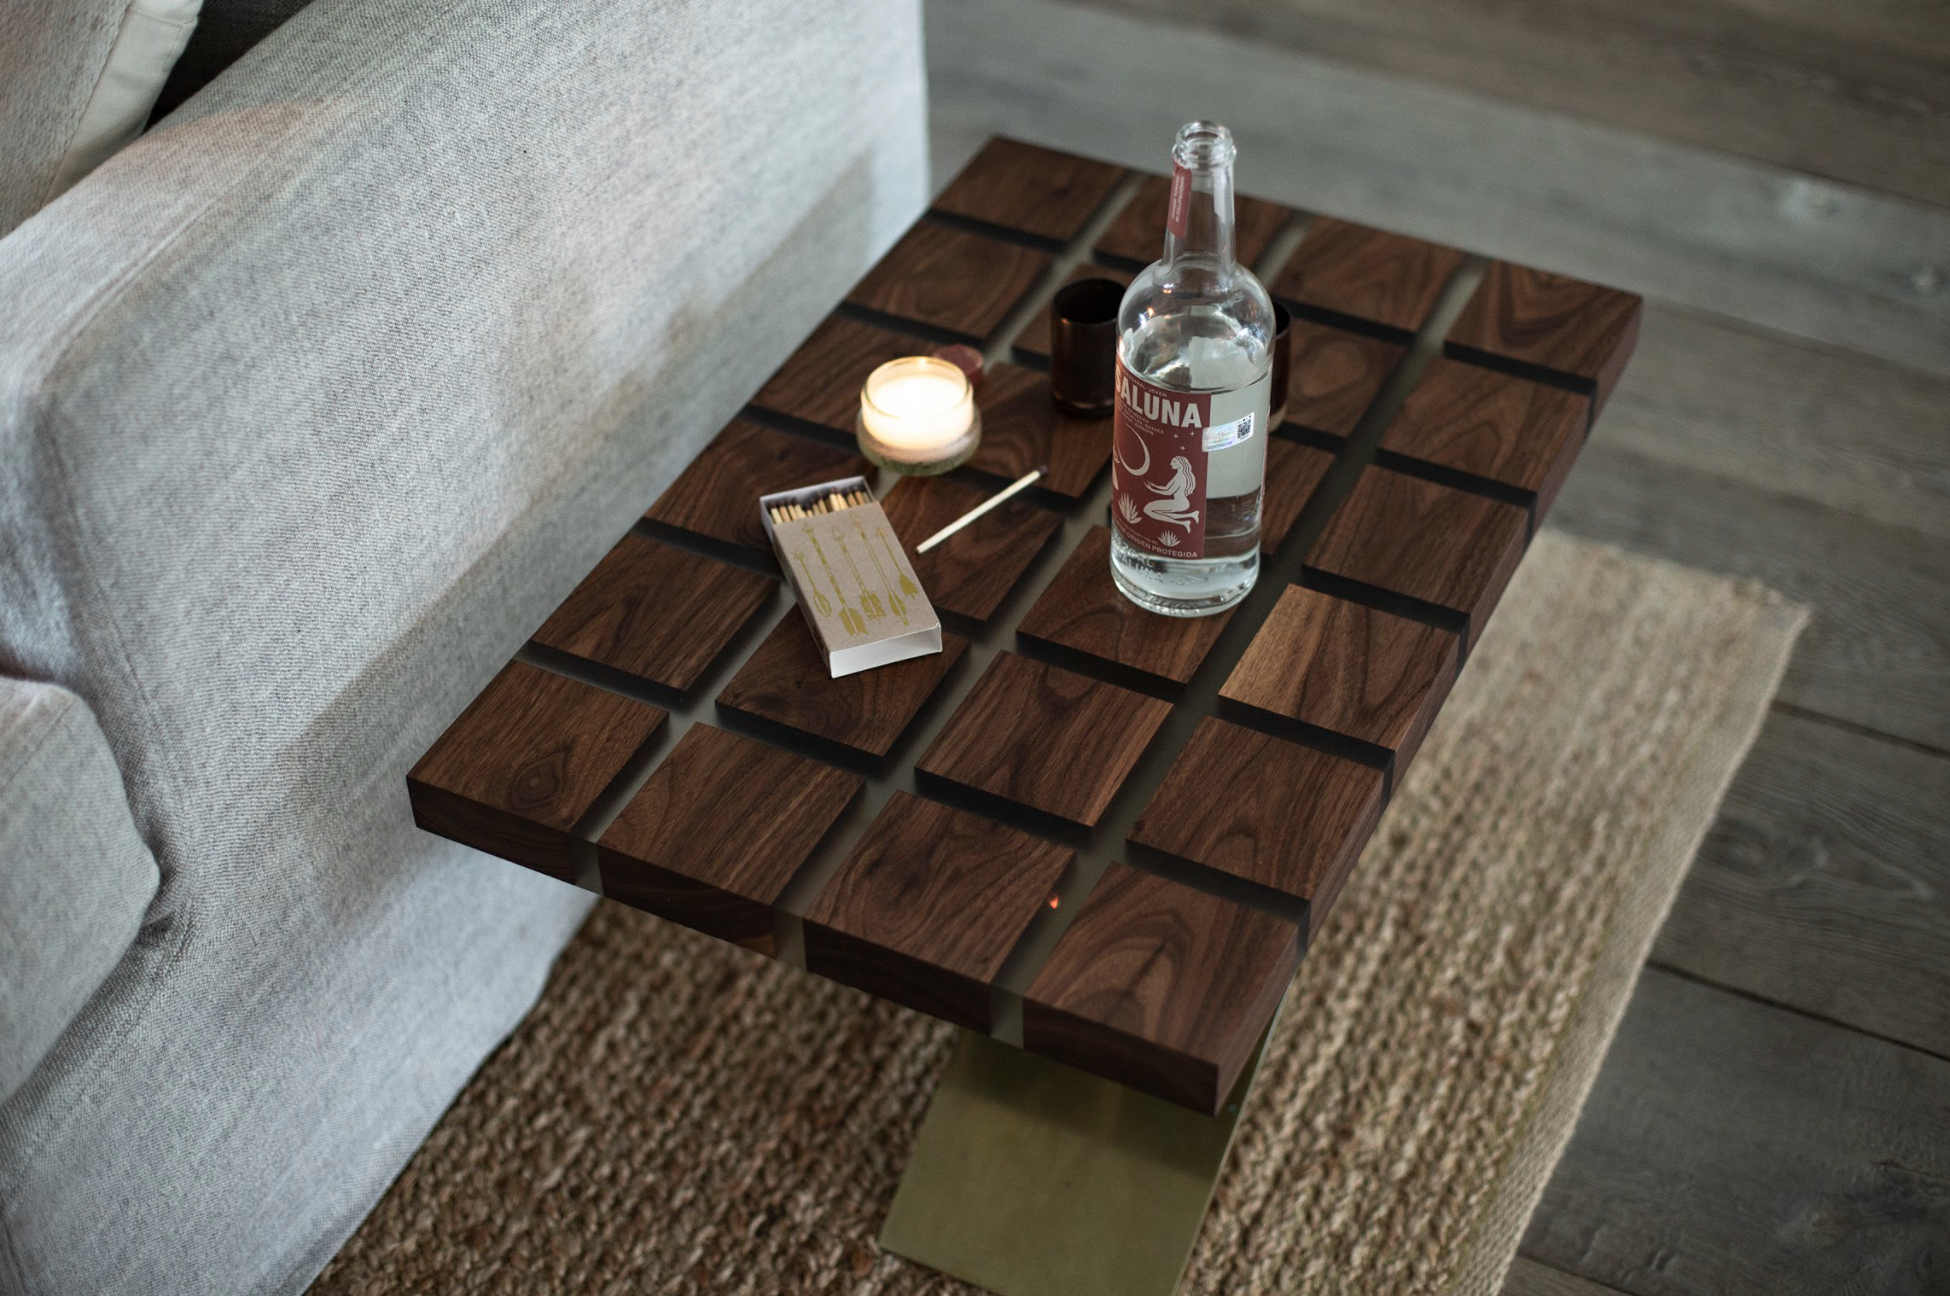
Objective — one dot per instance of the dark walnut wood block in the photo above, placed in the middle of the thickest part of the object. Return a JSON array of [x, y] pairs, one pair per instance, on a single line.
[[1038, 736], [1576, 334], [786, 683], [1033, 342], [1022, 430], [950, 279], [656, 612], [1034, 190], [524, 762], [714, 498], [1163, 978], [1355, 671], [1334, 376], [1480, 429], [820, 382], [1293, 473], [1161, 987], [1293, 819], [928, 905], [1434, 544], [1082, 613], [1138, 233], [1370, 279], [722, 826], [972, 571]]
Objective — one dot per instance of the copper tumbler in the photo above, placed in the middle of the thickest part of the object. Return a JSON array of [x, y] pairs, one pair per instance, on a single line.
[[1083, 346]]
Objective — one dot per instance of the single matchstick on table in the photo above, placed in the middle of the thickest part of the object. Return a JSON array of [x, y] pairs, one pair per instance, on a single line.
[[1015, 487]]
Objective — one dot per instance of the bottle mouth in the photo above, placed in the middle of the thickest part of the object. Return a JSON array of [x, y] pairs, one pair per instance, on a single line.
[[1202, 145]]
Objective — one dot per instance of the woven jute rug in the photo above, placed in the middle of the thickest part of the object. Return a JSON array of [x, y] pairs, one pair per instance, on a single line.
[[680, 1116]]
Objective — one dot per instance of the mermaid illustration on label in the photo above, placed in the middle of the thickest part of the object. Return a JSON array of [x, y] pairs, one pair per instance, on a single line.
[[1175, 509]]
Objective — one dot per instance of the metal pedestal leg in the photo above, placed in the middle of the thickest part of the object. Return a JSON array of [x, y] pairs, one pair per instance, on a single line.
[[1030, 1178]]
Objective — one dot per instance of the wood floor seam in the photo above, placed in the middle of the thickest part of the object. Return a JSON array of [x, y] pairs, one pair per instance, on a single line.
[[1709, 983]]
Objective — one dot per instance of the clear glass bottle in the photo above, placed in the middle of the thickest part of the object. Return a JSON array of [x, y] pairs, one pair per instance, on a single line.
[[1194, 381]]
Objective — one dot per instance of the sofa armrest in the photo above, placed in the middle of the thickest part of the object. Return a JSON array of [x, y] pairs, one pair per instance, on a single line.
[[75, 879], [315, 399]]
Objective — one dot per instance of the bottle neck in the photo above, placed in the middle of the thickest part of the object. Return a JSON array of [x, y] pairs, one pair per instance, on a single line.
[[1198, 220]]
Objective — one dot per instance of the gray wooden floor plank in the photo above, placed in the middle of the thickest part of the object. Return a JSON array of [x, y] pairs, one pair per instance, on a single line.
[[1729, 1146], [1825, 883], [1528, 1278], [1877, 652], [1838, 428], [1812, 258], [1858, 92]]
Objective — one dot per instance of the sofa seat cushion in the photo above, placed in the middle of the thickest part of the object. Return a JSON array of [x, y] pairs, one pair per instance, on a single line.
[[75, 878]]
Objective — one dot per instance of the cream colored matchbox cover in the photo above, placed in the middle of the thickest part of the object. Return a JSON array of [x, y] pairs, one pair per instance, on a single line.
[[852, 579]]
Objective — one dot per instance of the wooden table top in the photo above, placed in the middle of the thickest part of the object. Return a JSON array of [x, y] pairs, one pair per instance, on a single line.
[[1102, 835]]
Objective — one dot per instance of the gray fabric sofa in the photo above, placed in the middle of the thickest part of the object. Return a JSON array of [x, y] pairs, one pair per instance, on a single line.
[[313, 402]]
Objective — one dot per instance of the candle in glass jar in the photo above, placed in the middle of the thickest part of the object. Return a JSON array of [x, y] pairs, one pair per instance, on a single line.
[[917, 414]]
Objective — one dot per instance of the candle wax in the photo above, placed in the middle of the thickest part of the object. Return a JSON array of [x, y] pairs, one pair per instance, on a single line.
[[918, 411]]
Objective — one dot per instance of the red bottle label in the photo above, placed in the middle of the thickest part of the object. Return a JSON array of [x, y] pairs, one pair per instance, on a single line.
[[1180, 208], [1157, 497]]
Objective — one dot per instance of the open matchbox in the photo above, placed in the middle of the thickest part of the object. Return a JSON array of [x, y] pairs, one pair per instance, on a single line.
[[851, 576]]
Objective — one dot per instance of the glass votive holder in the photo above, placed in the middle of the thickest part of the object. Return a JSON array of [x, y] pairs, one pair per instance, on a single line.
[[918, 416]]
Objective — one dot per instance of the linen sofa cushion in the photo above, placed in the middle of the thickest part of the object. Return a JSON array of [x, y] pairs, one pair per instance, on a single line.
[[77, 82], [75, 878], [314, 402]]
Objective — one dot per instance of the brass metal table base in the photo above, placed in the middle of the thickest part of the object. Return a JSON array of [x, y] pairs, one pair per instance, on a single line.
[[1030, 1178]]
